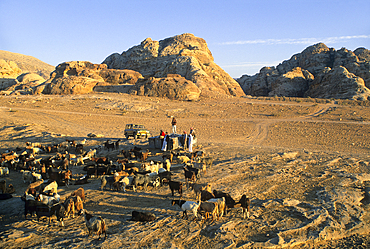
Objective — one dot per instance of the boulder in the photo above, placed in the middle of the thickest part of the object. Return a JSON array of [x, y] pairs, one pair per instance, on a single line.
[[185, 55], [30, 79], [363, 54], [70, 85], [5, 83], [25, 84]]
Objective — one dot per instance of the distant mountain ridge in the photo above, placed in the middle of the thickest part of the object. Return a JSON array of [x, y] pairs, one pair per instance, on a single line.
[[317, 72], [28, 63], [182, 67]]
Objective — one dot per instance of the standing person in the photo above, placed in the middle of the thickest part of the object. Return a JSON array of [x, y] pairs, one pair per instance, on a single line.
[[174, 122], [192, 132], [190, 143], [161, 136], [164, 146], [185, 140]]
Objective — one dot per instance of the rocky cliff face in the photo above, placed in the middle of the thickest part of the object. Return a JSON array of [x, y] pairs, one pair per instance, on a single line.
[[185, 55], [318, 71]]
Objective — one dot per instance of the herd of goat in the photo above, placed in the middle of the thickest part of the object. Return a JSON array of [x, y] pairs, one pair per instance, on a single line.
[[131, 168]]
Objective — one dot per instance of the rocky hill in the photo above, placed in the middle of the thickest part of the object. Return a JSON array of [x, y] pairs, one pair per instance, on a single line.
[[185, 56], [317, 72], [179, 67], [28, 64], [21, 73]]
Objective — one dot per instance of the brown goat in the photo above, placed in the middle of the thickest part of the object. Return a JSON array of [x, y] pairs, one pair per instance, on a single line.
[[79, 192], [69, 206], [144, 156]]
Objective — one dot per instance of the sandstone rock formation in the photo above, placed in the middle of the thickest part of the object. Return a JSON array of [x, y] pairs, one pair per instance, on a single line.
[[78, 77], [318, 71], [9, 69], [172, 87], [292, 83], [338, 83], [185, 55], [8, 74], [25, 84], [13, 80], [28, 64]]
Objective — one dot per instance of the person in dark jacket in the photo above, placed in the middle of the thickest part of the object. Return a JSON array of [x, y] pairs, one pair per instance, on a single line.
[[185, 140], [174, 122]]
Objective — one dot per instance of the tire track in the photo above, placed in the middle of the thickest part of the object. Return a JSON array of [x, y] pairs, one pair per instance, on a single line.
[[261, 129]]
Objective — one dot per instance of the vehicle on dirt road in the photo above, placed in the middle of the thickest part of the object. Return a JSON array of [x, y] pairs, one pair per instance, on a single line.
[[136, 131]]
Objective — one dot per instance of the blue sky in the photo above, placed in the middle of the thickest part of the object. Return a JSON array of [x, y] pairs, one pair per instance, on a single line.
[[243, 36]]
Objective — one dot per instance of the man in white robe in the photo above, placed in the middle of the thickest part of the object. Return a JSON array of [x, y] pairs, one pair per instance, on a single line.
[[190, 138], [164, 145]]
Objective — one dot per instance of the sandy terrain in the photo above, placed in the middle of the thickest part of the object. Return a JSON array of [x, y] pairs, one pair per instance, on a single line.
[[304, 164]]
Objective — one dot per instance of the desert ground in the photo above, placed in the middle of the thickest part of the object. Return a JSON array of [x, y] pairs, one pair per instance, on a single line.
[[304, 163]]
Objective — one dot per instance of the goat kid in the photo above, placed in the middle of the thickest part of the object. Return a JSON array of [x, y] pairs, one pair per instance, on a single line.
[[245, 203]]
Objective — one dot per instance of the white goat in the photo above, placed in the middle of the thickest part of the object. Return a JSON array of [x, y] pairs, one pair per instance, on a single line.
[[187, 206]]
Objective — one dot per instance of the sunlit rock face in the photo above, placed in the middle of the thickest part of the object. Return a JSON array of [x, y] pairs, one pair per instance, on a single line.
[[185, 55]]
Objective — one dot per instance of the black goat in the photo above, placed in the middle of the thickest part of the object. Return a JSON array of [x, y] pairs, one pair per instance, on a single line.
[[108, 145], [165, 176], [57, 209], [196, 171], [245, 203], [117, 144], [189, 176], [30, 207], [229, 201], [175, 186]]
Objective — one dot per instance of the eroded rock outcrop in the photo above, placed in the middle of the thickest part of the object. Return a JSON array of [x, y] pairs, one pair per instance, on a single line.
[[318, 71], [9, 69], [79, 77], [293, 83], [172, 87], [338, 83], [14, 81], [185, 55], [8, 74], [28, 64]]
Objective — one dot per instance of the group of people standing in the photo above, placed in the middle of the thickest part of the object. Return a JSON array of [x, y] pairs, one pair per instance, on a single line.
[[187, 139]]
